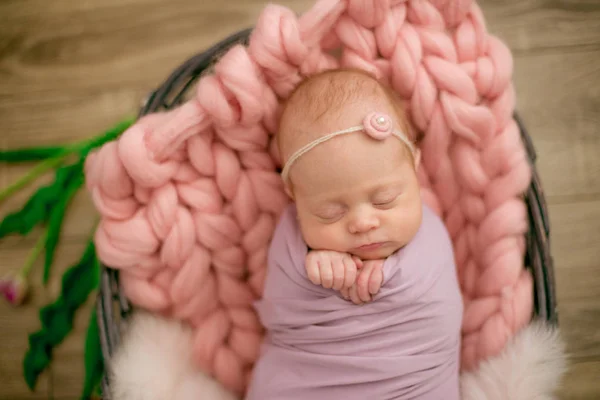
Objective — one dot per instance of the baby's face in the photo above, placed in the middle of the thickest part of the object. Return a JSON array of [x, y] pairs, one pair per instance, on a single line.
[[357, 195]]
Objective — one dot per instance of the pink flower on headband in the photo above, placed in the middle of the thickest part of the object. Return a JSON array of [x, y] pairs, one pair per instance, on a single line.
[[378, 125]]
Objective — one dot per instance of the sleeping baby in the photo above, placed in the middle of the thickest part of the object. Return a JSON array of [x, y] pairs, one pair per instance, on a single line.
[[361, 298]]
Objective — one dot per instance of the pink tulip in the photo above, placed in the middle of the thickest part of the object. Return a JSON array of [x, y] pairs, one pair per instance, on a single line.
[[14, 289]]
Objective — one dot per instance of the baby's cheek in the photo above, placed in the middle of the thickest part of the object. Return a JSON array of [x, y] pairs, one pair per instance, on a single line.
[[323, 237], [406, 223]]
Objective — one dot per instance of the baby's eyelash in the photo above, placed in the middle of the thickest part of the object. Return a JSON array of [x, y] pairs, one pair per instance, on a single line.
[[330, 214], [384, 200], [330, 219]]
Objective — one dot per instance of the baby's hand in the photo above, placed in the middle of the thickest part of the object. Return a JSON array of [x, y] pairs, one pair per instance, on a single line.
[[332, 269], [368, 283]]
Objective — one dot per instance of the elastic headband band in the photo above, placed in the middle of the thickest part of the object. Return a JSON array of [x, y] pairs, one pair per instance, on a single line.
[[377, 125]]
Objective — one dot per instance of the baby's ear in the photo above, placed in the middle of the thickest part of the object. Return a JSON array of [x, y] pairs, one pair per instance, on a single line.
[[288, 190], [417, 158]]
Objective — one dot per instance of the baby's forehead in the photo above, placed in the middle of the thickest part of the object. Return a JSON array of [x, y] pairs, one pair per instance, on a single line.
[[329, 101], [350, 161], [327, 93], [385, 183]]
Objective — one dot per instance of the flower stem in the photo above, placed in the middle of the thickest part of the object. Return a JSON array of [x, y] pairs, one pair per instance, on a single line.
[[37, 249], [34, 173], [79, 147]]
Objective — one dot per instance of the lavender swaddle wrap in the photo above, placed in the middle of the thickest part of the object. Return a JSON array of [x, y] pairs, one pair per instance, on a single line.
[[405, 344]]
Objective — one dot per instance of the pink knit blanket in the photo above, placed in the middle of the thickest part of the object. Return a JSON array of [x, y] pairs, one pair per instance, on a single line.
[[189, 198]]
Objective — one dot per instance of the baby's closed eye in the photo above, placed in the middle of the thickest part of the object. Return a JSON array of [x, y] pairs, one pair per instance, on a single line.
[[385, 198], [330, 213]]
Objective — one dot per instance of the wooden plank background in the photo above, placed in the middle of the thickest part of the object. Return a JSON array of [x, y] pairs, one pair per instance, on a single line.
[[71, 68]]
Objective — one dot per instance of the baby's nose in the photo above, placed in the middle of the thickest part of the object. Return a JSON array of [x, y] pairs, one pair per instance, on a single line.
[[363, 222]]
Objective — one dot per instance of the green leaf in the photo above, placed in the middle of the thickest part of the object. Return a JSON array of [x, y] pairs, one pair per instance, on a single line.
[[30, 154], [57, 318], [94, 365], [39, 206], [57, 217], [48, 205]]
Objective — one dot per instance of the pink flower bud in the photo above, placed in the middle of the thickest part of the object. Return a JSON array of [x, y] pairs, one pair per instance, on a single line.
[[14, 289]]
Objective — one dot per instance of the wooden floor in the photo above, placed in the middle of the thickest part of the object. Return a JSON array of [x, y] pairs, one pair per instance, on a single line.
[[71, 68]]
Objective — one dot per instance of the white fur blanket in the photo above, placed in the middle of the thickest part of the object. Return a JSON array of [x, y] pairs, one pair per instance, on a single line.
[[153, 363]]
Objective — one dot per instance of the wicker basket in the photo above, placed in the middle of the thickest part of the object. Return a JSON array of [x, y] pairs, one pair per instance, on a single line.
[[113, 308]]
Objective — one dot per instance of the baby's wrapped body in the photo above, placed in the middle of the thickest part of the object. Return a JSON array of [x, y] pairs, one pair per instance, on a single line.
[[405, 344]]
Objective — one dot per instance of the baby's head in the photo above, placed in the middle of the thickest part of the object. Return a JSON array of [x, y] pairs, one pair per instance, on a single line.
[[353, 193]]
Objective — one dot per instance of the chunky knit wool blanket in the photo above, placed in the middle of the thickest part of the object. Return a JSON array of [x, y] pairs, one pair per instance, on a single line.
[[189, 198]]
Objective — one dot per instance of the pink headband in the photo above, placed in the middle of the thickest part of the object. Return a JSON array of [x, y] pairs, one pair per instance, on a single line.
[[377, 125]]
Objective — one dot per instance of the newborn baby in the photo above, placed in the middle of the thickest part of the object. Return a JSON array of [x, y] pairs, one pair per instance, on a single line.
[[361, 298]]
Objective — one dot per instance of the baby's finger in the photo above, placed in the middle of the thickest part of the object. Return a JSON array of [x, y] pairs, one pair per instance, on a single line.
[[357, 261], [312, 270], [326, 273], [363, 282], [349, 272], [338, 273], [345, 293], [353, 292], [376, 280]]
